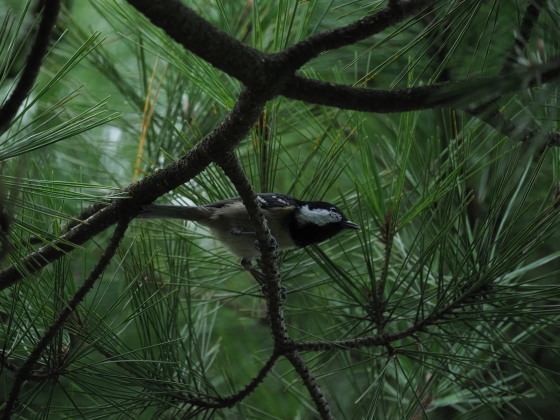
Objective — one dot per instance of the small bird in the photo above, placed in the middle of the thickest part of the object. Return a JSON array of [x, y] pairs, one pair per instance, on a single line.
[[293, 223]]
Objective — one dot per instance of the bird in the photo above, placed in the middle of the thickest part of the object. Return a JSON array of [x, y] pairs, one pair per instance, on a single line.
[[293, 223]]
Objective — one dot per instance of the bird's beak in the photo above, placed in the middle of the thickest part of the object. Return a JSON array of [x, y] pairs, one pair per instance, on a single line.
[[350, 225]]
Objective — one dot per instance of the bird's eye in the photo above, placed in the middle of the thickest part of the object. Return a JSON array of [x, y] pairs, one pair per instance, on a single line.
[[333, 209]]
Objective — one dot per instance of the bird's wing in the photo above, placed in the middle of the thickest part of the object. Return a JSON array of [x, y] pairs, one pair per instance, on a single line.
[[266, 200]]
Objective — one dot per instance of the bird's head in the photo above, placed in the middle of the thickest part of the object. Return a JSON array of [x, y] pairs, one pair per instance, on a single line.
[[317, 221]]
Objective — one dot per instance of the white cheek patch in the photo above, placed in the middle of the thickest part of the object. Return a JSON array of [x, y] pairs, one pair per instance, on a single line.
[[319, 217]]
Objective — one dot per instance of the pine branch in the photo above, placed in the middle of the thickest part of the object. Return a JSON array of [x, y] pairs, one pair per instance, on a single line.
[[205, 40], [458, 94], [24, 371], [230, 401], [395, 12], [311, 384], [386, 339], [490, 114], [267, 244], [33, 63], [219, 141]]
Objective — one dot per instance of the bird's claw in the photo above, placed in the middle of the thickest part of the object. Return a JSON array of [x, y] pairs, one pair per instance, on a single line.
[[239, 232], [260, 277], [272, 244]]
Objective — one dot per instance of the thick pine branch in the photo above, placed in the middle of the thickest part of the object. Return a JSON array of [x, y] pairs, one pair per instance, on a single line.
[[222, 139], [205, 40], [395, 12], [464, 94], [255, 68]]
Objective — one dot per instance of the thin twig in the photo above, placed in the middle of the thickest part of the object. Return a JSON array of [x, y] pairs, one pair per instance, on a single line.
[[12, 367], [388, 231], [226, 402], [25, 370], [232, 168], [490, 114], [311, 384], [385, 339]]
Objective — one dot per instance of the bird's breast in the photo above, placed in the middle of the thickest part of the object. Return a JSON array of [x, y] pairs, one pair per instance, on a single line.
[[234, 229]]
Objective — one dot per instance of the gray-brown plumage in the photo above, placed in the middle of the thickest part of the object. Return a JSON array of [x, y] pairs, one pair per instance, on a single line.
[[292, 222]]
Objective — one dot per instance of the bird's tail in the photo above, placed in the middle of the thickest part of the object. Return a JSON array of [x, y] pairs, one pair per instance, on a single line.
[[160, 211]]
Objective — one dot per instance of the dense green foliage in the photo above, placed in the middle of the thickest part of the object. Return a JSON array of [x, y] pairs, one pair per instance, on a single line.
[[458, 221]]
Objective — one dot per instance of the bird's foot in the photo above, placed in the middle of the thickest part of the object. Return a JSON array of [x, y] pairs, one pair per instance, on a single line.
[[260, 278], [272, 244]]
